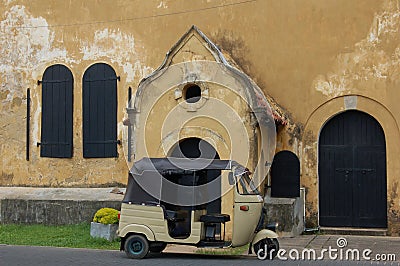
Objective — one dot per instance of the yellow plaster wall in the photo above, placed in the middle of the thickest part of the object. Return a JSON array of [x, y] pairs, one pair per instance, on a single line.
[[289, 48], [302, 53]]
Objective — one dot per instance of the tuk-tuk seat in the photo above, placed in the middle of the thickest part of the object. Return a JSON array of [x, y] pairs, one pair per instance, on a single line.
[[215, 218], [210, 221], [170, 216]]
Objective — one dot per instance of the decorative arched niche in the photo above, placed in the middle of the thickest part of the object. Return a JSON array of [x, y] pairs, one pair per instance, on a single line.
[[197, 89]]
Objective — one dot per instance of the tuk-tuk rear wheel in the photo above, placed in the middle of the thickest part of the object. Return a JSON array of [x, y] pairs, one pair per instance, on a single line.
[[136, 247], [272, 245]]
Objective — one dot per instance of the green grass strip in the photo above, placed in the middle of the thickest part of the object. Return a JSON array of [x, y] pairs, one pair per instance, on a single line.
[[72, 236]]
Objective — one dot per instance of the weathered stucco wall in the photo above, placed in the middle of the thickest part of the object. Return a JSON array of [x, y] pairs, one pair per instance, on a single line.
[[305, 54], [368, 73], [29, 45]]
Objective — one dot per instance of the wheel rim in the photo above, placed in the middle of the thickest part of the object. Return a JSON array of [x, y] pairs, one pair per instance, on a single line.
[[272, 245], [261, 246], [136, 247]]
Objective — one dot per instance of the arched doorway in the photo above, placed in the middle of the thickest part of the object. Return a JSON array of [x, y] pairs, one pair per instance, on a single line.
[[352, 172], [199, 148]]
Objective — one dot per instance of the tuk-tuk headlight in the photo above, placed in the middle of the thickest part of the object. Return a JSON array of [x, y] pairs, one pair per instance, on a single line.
[[272, 226]]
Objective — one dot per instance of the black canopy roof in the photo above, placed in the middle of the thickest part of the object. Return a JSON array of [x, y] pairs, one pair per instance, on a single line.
[[171, 163], [147, 185]]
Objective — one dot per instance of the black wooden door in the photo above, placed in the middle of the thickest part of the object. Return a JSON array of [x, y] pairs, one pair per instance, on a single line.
[[57, 108], [352, 172], [99, 112]]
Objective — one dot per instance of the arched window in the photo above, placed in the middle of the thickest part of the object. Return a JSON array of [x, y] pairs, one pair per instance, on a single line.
[[100, 112], [285, 175], [57, 108]]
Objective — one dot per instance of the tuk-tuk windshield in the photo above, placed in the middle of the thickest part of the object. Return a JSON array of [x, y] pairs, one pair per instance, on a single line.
[[246, 185]]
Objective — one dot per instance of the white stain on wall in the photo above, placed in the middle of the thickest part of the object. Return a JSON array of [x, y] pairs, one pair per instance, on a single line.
[[119, 48], [369, 61], [28, 45], [331, 85], [36, 117], [162, 4], [25, 43], [7, 2]]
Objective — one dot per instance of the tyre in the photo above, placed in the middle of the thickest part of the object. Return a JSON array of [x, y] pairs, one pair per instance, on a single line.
[[136, 247], [157, 247], [272, 246]]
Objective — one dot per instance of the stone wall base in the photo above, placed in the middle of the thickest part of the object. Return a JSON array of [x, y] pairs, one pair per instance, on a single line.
[[54, 206], [288, 212], [51, 212]]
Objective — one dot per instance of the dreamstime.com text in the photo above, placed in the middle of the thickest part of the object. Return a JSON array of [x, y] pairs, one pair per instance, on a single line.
[[331, 253]]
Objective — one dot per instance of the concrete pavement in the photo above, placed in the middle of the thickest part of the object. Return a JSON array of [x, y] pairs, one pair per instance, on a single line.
[[373, 248], [329, 247]]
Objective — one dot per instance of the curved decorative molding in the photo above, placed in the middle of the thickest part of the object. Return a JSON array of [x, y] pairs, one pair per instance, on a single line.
[[344, 97], [169, 141], [244, 85]]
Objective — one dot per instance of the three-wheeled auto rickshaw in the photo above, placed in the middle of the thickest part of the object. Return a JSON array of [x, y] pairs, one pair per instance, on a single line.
[[156, 211]]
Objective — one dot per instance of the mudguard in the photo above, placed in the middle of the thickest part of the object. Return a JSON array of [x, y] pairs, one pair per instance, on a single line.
[[137, 229], [265, 233]]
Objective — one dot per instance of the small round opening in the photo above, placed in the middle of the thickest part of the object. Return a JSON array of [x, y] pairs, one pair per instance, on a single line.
[[192, 94]]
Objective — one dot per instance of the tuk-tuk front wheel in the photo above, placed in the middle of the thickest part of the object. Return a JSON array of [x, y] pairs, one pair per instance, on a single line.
[[270, 244], [136, 247]]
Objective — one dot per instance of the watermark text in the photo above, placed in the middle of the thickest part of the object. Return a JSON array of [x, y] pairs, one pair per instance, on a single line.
[[340, 252]]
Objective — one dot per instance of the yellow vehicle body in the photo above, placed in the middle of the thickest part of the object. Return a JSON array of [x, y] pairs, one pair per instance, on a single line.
[[150, 221]]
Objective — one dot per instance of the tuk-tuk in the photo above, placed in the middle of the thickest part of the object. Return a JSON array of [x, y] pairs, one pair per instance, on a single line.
[[162, 206]]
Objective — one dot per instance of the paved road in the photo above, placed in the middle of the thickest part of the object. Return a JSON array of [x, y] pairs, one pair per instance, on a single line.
[[48, 256]]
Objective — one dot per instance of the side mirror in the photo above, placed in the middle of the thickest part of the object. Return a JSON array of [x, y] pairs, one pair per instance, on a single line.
[[231, 179]]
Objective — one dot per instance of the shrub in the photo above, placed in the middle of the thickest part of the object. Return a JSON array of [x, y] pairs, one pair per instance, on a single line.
[[106, 216]]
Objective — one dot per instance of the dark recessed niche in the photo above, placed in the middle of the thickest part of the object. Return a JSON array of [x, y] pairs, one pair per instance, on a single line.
[[285, 175], [192, 93]]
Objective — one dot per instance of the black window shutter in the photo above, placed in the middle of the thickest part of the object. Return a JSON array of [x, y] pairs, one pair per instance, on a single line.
[[285, 175], [100, 112], [57, 109]]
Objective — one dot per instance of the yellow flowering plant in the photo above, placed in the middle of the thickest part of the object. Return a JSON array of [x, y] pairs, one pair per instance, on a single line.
[[106, 216]]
